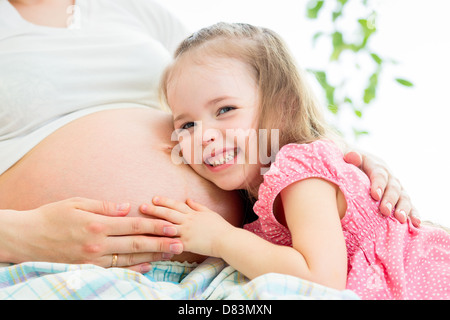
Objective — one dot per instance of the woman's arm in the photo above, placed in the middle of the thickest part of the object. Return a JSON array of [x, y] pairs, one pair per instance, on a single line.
[[318, 253], [80, 230]]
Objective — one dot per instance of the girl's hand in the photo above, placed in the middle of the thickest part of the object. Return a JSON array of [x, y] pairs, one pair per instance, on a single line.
[[385, 187], [199, 229], [82, 231]]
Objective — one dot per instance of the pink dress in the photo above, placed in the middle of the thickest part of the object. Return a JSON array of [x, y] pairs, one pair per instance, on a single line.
[[386, 259]]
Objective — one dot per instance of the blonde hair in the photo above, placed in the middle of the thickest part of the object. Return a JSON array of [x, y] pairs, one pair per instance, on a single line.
[[286, 101]]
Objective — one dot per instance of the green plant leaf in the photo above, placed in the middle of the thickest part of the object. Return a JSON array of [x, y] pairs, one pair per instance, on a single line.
[[338, 39], [338, 45], [316, 37], [358, 113], [329, 90], [313, 8], [348, 100], [321, 76], [336, 14], [404, 82], [366, 31], [333, 108], [359, 133], [371, 90], [376, 58], [339, 97]]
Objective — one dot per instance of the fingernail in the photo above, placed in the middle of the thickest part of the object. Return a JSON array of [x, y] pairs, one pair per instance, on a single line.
[[144, 207], [155, 199], [170, 231], [403, 215], [379, 192], [146, 268], [176, 248], [389, 206], [122, 206]]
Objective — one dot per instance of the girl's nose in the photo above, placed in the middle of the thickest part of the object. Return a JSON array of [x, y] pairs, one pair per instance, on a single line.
[[209, 135], [208, 140]]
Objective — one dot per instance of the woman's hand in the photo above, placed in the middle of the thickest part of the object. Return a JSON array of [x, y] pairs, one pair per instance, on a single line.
[[385, 187], [80, 230], [199, 228]]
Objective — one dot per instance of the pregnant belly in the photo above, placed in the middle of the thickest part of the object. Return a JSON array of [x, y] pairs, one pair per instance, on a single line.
[[118, 155]]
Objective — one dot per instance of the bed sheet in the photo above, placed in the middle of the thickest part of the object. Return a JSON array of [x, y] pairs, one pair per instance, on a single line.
[[212, 279]]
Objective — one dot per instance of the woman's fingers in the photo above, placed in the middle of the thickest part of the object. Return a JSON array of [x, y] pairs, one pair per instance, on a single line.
[[414, 216], [354, 158], [80, 230], [135, 240], [101, 207], [391, 197], [385, 187], [135, 252], [132, 245], [402, 210], [136, 261], [377, 174], [118, 225], [135, 226], [379, 179]]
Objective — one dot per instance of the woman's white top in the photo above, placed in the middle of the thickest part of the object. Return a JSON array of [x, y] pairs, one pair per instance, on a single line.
[[111, 55]]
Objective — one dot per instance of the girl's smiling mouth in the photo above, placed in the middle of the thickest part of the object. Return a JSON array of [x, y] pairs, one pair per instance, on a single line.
[[216, 160]]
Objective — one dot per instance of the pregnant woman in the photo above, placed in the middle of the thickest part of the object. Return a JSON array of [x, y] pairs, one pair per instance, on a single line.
[[83, 143]]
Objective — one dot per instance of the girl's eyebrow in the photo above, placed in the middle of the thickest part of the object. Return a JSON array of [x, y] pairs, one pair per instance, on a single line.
[[181, 116], [209, 103], [218, 99]]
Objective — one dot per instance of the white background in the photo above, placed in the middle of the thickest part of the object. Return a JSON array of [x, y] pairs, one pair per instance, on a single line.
[[409, 127]]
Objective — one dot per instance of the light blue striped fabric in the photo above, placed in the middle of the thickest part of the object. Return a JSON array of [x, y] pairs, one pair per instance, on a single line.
[[212, 279]]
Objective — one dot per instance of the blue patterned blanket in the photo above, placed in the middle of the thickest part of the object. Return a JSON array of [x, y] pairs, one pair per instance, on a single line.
[[212, 279]]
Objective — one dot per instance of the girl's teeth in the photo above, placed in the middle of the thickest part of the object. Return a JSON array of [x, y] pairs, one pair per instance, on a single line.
[[229, 156]]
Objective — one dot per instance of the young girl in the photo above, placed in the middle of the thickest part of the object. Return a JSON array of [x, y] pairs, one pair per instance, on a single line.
[[316, 218]]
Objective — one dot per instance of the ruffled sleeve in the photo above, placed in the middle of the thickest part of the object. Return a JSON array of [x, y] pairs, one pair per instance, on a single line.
[[295, 162]]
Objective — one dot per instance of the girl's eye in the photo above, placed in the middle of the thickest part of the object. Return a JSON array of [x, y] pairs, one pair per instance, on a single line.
[[187, 125], [225, 110]]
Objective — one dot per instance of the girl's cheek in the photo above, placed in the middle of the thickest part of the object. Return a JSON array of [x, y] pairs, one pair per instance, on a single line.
[[187, 150], [185, 153]]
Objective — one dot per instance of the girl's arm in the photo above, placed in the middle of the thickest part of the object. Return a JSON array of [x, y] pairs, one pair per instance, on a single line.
[[311, 213]]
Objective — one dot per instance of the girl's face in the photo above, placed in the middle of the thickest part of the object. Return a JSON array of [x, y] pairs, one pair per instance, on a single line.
[[215, 113]]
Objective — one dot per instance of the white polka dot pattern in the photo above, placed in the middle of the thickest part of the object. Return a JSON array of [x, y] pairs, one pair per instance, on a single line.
[[386, 259]]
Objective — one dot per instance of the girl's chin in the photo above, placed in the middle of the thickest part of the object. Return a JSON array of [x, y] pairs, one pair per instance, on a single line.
[[228, 186]]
